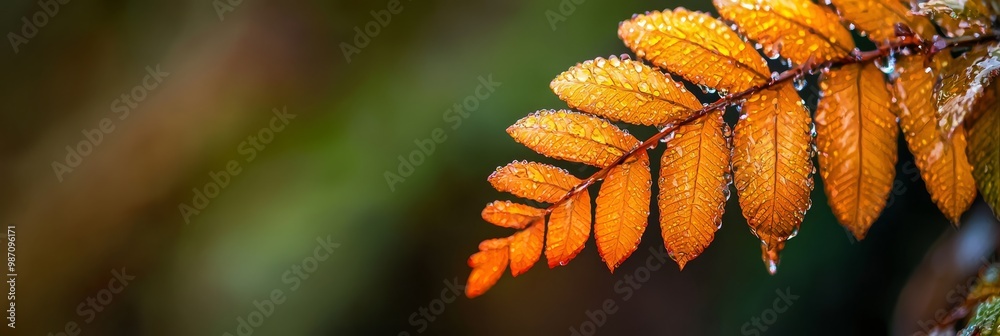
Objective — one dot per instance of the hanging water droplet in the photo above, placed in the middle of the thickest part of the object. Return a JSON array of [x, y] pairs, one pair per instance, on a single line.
[[886, 64], [770, 256], [703, 88], [665, 127], [799, 83], [772, 266]]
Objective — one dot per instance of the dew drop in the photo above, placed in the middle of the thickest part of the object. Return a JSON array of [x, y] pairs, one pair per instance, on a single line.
[[886, 64], [770, 257], [799, 83], [670, 136], [772, 267]]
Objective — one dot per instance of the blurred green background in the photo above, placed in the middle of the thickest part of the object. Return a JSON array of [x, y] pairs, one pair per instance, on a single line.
[[322, 176]]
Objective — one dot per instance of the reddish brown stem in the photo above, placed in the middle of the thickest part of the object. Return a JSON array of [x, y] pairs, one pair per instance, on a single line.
[[910, 43]]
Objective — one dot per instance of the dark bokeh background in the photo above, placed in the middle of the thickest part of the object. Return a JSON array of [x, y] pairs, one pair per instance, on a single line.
[[323, 176]]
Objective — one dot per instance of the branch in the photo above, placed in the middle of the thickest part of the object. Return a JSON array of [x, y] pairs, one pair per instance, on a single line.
[[909, 43]]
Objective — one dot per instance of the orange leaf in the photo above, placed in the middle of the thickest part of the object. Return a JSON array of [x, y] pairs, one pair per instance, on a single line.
[[878, 18], [624, 90], [772, 165], [695, 46], [984, 149], [487, 266], [569, 228], [534, 181], [510, 214], [572, 136], [964, 81], [526, 247], [856, 137], [943, 163], [694, 186], [796, 29], [622, 210]]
